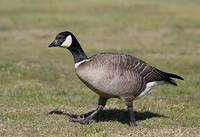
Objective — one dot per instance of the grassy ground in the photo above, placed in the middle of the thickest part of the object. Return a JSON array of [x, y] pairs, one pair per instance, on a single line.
[[35, 79]]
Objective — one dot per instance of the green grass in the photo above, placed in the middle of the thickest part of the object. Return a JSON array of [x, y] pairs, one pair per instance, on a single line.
[[35, 79]]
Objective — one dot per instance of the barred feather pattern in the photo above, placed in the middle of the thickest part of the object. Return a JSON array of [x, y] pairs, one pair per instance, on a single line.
[[118, 75]]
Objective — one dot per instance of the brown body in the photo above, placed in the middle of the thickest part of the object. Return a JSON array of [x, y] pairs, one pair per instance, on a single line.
[[113, 75], [117, 75]]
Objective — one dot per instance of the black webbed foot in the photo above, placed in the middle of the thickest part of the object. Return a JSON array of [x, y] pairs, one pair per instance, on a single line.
[[132, 124], [81, 120]]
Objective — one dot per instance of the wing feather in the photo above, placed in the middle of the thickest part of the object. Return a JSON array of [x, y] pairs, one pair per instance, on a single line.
[[126, 62]]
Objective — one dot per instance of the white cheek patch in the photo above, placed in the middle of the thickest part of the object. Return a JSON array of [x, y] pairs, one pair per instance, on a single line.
[[68, 41]]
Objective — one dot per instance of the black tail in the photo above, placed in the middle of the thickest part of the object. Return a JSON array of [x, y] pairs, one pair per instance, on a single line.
[[170, 78]]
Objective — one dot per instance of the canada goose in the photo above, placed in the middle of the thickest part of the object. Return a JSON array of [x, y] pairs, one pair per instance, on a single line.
[[112, 75]]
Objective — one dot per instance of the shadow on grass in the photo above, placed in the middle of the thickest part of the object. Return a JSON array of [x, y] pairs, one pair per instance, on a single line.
[[120, 115]]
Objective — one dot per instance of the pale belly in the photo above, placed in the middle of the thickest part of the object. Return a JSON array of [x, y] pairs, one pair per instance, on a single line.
[[106, 84]]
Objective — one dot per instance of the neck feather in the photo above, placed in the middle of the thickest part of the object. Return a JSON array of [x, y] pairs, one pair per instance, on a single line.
[[77, 52]]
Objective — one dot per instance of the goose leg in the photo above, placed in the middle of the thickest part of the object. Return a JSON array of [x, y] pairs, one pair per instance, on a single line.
[[88, 119], [131, 114]]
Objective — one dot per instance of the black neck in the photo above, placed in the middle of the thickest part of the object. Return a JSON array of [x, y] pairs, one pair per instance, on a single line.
[[77, 52]]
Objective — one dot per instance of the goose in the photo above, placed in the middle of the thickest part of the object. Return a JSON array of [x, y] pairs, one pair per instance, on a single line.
[[113, 75]]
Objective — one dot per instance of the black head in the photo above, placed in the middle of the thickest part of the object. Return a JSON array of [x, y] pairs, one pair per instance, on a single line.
[[67, 40], [64, 39]]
